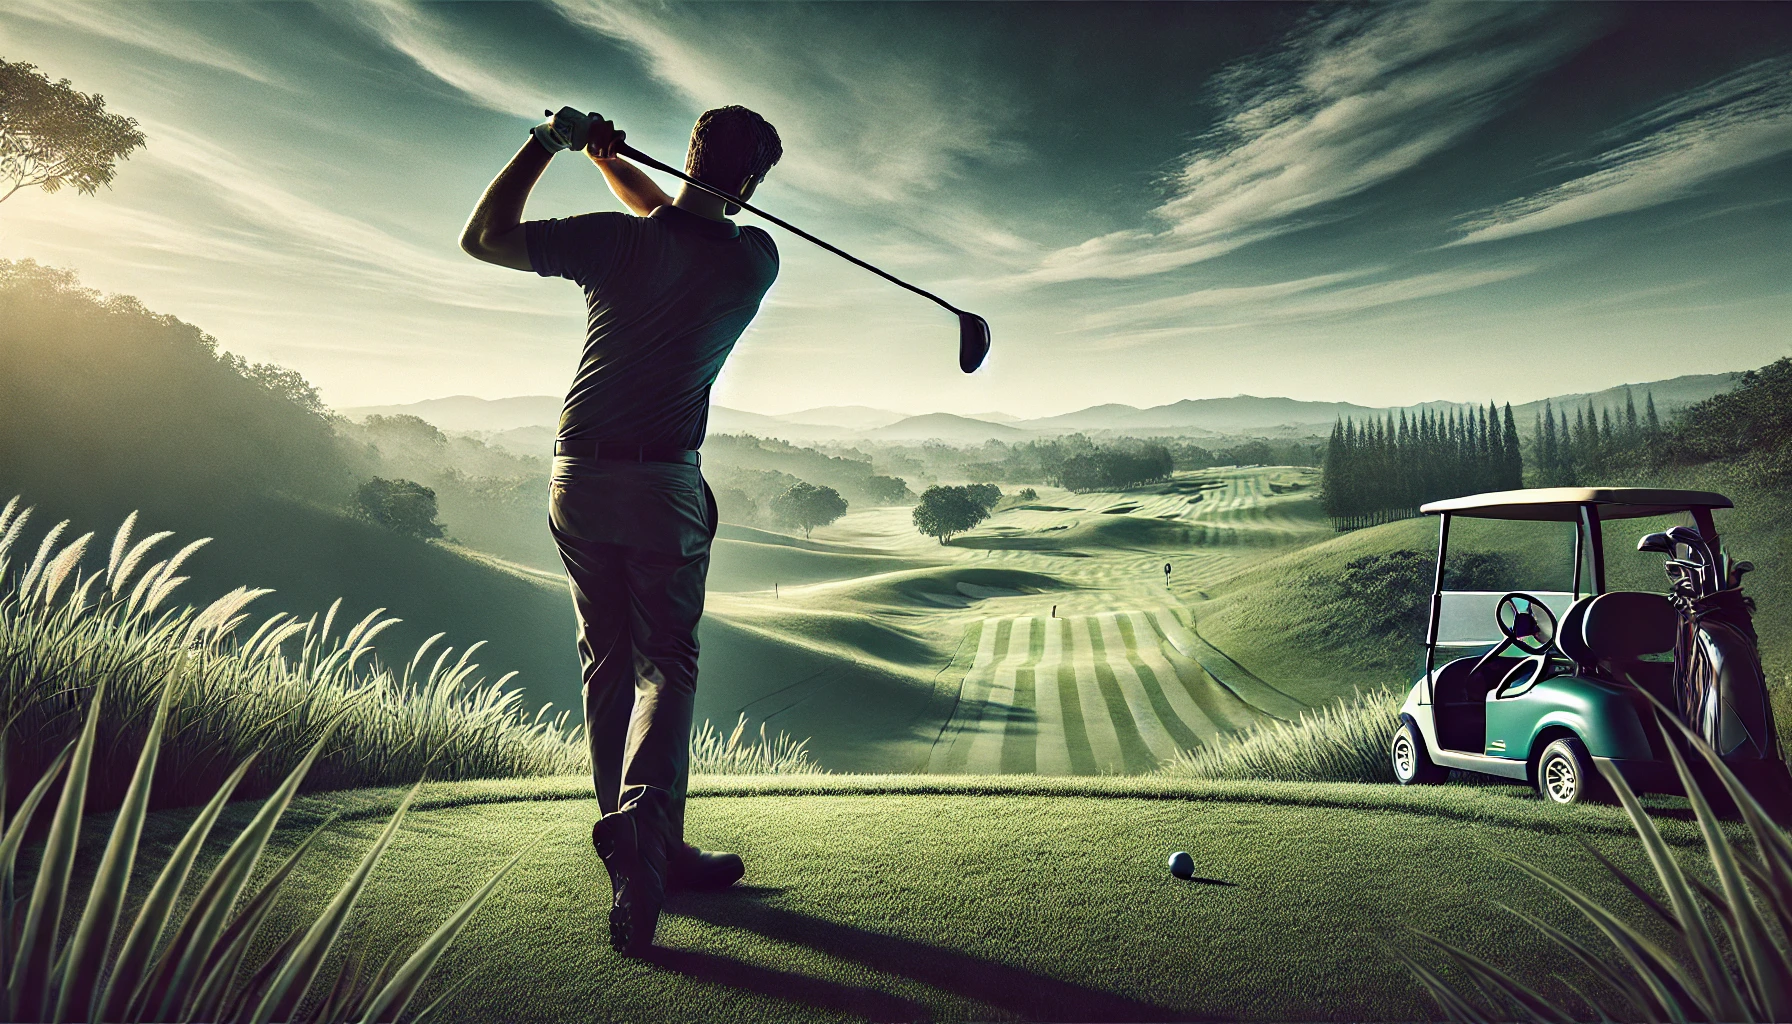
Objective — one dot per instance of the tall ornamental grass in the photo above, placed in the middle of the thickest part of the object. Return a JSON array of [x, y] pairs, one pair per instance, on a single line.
[[712, 754], [1342, 742], [271, 687], [1726, 954]]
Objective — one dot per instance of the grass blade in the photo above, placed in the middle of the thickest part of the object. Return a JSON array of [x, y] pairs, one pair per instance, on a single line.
[[234, 943], [217, 898], [105, 900], [43, 917], [294, 979], [133, 961], [395, 997]]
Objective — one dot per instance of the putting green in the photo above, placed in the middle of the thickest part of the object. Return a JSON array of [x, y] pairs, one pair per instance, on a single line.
[[963, 899]]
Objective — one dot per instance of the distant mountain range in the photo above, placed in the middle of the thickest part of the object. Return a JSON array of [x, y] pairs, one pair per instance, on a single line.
[[528, 422]]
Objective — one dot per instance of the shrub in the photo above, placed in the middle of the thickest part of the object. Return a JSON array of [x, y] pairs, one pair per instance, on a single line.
[[402, 506], [1343, 742]]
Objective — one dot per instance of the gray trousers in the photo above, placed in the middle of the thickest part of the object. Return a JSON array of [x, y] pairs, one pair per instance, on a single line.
[[635, 538]]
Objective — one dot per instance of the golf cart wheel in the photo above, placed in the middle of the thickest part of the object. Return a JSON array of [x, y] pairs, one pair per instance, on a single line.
[[1565, 773], [1412, 762]]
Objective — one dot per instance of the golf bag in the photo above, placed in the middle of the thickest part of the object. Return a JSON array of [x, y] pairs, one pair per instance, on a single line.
[[1719, 685]]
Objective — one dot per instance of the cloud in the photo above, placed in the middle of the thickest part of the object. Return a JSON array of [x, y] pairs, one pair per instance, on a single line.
[[1353, 99], [133, 24], [1307, 298], [1738, 120], [282, 229], [405, 28]]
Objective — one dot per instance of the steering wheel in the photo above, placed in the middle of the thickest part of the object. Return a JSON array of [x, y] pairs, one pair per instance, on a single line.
[[1526, 623]]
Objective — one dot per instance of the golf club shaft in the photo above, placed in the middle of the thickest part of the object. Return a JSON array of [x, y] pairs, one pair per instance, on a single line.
[[623, 149]]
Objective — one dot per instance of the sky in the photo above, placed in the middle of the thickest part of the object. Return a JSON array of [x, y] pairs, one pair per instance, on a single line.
[[1383, 204]]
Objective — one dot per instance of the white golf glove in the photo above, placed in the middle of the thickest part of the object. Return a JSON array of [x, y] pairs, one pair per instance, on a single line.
[[569, 129]]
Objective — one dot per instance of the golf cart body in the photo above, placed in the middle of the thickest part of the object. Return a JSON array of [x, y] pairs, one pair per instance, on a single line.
[[1536, 682]]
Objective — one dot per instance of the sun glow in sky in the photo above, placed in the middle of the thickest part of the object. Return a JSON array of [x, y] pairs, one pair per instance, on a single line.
[[1383, 204]]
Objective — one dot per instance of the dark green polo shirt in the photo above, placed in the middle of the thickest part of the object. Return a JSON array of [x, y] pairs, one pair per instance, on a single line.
[[666, 298]]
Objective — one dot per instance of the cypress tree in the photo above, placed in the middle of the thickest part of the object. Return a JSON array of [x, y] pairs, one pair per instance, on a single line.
[[1550, 461], [1513, 468], [1630, 426]]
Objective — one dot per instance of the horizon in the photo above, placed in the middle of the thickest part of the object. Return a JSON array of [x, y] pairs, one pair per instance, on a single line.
[[1067, 412], [1393, 202]]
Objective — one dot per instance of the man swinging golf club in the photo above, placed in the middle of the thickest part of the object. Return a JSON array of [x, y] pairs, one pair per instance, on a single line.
[[667, 293]]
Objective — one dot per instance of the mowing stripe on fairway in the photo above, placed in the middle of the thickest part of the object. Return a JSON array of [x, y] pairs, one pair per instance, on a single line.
[[1160, 687], [1229, 713], [985, 754], [1144, 715], [939, 760], [1148, 645], [1097, 716], [1051, 744], [1019, 743], [1076, 734], [1132, 745]]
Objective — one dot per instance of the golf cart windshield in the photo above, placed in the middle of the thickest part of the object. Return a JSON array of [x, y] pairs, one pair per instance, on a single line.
[[1485, 559]]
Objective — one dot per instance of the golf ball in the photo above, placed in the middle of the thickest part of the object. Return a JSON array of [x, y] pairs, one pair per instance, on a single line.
[[1182, 865]]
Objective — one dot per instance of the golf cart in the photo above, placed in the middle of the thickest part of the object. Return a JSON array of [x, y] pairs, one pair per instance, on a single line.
[[1534, 670]]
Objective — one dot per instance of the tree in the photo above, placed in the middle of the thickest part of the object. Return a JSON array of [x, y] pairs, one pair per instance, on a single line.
[[985, 495], [888, 490], [402, 506], [807, 506], [51, 135], [944, 511]]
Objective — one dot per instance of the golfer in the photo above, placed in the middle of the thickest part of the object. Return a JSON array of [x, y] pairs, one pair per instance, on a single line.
[[667, 294]]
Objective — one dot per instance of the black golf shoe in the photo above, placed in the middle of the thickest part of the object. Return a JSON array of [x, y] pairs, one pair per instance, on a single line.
[[635, 857], [691, 869]]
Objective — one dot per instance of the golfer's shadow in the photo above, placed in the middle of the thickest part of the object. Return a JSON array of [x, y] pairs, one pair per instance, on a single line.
[[1011, 989]]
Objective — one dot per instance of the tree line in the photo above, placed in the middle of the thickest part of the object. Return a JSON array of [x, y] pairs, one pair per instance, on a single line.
[[1596, 444], [1385, 468]]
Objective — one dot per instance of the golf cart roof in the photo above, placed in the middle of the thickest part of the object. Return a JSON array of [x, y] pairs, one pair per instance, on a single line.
[[1563, 503]]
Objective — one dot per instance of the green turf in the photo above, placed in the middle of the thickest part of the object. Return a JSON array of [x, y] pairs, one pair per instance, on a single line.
[[977, 898]]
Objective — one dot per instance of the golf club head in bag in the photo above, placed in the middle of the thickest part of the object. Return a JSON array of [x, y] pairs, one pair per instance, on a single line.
[[973, 341]]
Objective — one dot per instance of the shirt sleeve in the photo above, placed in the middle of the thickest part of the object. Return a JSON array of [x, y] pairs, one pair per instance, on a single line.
[[583, 249]]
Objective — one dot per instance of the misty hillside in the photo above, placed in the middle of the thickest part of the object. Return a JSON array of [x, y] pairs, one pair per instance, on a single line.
[[526, 425], [106, 408]]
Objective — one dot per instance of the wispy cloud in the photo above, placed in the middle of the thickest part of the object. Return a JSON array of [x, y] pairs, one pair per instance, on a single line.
[[275, 227], [406, 28], [138, 26], [1738, 120], [1308, 298], [1355, 98]]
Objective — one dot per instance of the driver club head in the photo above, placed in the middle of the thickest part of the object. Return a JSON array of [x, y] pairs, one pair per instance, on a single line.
[[973, 341], [1657, 543]]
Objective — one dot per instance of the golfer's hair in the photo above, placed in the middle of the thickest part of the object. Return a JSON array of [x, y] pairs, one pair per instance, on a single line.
[[730, 145]]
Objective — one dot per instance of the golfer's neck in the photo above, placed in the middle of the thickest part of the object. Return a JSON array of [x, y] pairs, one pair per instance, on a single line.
[[694, 200]]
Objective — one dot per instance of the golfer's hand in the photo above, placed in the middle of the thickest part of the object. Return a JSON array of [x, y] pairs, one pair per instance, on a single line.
[[602, 138]]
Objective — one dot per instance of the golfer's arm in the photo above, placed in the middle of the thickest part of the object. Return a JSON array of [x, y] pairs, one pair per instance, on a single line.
[[632, 185], [495, 231]]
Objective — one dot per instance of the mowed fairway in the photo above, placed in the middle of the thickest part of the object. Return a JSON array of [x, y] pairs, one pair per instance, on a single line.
[[1108, 693], [963, 899], [1042, 642]]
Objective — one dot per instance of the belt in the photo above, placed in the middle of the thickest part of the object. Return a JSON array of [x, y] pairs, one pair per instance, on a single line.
[[627, 452]]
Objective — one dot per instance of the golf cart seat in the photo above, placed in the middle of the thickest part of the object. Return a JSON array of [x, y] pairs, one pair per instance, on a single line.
[[1617, 630], [1460, 695]]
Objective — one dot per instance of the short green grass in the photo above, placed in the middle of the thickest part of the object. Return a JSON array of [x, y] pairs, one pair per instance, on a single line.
[[911, 898]]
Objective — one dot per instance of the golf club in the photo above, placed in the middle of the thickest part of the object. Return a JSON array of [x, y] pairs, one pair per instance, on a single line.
[[973, 330]]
